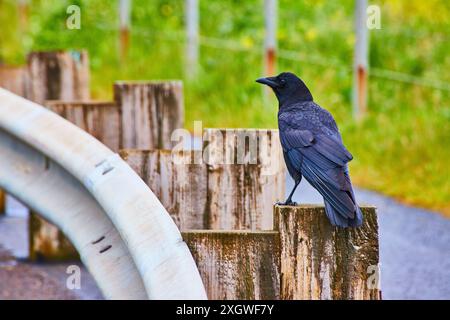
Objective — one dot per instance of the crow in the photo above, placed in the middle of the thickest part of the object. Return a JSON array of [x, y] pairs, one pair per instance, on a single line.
[[313, 148]]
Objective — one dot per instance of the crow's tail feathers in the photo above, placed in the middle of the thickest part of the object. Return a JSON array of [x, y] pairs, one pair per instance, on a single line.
[[339, 220]]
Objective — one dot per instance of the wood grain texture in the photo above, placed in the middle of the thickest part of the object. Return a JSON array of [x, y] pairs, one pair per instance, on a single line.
[[246, 176], [319, 261], [180, 185], [100, 119], [150, 112], [14, 79], [237, 264], [58, 75], [217, 194]]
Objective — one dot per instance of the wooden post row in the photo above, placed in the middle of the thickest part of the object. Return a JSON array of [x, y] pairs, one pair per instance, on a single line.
[[161, 104], [303, 258], [231, 185]]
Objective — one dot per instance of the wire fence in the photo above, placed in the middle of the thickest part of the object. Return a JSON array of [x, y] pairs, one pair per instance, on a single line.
[[233, 45], [314, 59]]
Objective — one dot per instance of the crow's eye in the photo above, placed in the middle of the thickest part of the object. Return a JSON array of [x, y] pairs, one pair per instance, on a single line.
[[283, 82]]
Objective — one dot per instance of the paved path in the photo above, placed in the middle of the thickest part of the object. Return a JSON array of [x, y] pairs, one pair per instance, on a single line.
[[414, 245], [22, 280]]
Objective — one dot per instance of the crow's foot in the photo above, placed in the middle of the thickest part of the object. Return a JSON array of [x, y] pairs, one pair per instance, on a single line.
[[287, 203]]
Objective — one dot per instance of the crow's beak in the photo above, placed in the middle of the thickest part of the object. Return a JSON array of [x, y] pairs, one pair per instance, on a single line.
[[270, 81]]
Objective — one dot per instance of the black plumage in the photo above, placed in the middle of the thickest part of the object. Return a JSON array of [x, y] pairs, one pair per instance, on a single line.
[[313, 148]]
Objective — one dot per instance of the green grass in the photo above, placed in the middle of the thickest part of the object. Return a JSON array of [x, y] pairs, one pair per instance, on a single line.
[[401, 148]]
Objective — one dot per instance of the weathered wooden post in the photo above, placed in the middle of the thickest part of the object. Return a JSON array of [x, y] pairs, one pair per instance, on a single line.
[[150, 112], [239, 177], [319, 261], [237, 264], [179, 184], [14, 79], [58, 75], [246, 176], [101, 120], [64, 76]]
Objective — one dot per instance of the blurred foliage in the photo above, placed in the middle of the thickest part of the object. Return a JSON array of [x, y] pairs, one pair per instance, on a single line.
[[401, 148]]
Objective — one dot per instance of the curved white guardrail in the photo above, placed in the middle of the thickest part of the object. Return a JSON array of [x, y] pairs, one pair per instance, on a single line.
[[98, 201]]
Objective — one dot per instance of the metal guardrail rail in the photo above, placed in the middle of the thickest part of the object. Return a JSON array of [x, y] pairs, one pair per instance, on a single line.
[[123, 234]]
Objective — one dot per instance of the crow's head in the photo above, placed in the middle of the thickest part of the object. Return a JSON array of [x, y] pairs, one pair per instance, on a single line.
[[288, 88]]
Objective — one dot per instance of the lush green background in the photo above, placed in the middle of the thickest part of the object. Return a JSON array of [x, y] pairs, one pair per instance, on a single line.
[[401, 148]]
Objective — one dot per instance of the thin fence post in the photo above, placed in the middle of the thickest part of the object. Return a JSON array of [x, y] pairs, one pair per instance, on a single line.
[[270, 43], [2, 202], [23, 14], [360, 60], [124, 20], [192, 34]]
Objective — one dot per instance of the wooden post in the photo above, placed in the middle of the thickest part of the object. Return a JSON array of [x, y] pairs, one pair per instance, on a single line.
[[64, 76], [178, 183], [319, 261], [192, 35], [237, 264], [124, 19], [246, 176], [14, 79], [361, 60], [150, 112], [58, 75], [270, 43], [236, 193], [101, 120]]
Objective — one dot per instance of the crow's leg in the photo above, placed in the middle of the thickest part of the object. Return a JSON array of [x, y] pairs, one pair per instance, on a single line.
[[289, 201]]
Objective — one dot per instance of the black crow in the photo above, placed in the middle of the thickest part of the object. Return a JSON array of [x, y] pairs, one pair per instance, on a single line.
[[313, 148]]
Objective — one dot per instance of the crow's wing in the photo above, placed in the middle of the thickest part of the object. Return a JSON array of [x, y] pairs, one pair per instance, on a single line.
[[324, 164]]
